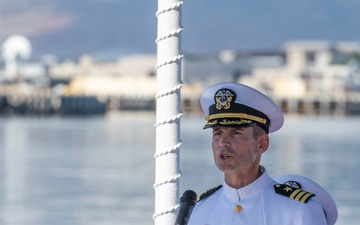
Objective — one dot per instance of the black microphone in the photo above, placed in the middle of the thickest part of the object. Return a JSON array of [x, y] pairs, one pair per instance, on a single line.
[[187, 203]]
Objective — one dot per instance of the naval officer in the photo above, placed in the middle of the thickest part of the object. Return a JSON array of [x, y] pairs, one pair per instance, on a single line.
[[241, 119]]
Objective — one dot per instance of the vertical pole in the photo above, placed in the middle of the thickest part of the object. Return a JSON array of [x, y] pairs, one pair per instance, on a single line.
[[168, 111]]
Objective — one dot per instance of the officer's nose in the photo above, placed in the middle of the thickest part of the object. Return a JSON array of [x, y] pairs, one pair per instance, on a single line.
[[224, 140]]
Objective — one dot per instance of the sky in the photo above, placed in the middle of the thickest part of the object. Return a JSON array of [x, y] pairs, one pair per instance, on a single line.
[[68, 27]]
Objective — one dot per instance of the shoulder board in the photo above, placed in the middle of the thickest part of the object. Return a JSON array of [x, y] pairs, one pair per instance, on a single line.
[[293, 193], [208, 192]]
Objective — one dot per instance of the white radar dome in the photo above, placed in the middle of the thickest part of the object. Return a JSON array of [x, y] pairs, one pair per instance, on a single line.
[[16, 47]]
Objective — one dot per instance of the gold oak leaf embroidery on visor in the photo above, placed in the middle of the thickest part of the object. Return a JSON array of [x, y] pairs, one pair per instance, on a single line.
[[236, 115], [236, 122], [212, 123]]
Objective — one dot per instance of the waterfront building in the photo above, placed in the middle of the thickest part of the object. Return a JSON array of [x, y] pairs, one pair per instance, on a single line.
[[304, 77], [315, 77]]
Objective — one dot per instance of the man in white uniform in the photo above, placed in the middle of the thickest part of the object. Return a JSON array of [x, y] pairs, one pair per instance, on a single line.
[[241, 118]]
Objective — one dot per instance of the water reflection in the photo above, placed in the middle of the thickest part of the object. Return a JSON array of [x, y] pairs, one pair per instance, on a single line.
[[77, 171]]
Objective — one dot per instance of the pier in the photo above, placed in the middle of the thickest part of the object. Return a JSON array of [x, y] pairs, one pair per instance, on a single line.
[[44, 102], [289, 106]]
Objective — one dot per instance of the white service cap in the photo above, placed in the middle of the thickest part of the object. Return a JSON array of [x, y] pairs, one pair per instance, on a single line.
[[234, 104], [321, 195]]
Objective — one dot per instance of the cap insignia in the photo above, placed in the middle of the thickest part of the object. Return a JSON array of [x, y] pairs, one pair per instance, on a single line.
[[293, 184], [224, 98]]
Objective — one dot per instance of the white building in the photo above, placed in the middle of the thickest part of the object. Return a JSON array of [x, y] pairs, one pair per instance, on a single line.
[[313, 70]]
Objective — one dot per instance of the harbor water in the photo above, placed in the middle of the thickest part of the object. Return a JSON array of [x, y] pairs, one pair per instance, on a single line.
[[100, 170]]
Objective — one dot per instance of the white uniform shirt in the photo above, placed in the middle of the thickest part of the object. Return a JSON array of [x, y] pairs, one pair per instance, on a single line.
[[259, 204]]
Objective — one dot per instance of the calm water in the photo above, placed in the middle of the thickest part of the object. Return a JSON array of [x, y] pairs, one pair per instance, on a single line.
[[100, 170]]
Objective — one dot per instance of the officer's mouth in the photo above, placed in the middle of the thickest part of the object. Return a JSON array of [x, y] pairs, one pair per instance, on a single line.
[[224, 156]]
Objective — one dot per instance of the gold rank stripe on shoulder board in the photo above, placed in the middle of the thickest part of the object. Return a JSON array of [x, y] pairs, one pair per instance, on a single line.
[[207, 193], [293, 193]]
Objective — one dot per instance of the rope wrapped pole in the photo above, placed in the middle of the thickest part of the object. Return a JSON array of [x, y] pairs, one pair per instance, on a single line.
[[168, 111]]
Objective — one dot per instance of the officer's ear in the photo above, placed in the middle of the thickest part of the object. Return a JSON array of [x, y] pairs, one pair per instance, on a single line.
[[263, 143]]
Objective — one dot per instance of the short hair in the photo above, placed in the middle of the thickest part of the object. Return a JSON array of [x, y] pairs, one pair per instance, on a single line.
[[258, 131]]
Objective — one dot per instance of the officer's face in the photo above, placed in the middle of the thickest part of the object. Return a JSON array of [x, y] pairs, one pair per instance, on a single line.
[[235, 148]]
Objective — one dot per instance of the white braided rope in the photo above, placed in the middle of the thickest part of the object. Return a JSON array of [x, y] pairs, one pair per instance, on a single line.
[[170, 210], [168, 111], [173, 60], [176, 177], [175, 6], [175, 32], [169, 120], [171, 150], [171, 91]]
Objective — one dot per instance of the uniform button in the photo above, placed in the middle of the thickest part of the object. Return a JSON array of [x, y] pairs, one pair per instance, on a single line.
[[238, 208]]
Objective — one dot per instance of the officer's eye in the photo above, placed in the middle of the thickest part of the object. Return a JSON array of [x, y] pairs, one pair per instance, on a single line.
[[216, 133]]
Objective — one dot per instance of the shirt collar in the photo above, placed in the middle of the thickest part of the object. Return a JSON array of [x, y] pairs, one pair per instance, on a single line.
[[249, 190]]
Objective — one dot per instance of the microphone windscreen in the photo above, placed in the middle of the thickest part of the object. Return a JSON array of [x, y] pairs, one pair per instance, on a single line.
[[189, 196]]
